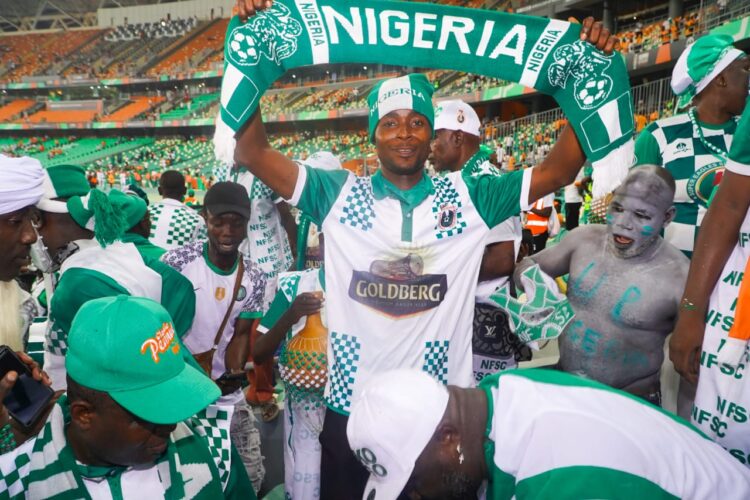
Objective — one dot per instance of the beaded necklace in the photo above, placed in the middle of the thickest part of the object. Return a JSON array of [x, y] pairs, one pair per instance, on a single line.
[[719, 153]]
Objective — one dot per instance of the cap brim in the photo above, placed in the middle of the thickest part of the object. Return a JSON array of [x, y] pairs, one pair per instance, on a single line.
[[220, 209], [388, 488], [171, 401]]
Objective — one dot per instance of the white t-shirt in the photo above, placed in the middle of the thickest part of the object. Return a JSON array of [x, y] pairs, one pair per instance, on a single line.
[[722, 400], [401, 269], [174, 224], [213, 291]]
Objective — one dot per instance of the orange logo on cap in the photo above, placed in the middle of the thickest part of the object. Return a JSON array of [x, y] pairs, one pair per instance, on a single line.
[[160, 342]]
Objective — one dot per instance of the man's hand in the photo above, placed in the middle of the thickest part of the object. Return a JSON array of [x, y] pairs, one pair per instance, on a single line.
[[306, 304], [596, 34], [248, 8], [685, 345], [7, 383]]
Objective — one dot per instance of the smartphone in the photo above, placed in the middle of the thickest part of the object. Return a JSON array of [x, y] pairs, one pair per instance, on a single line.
[[29, 397]]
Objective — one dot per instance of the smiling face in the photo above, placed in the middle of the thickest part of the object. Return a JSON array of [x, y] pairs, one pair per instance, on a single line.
[[402, 141], [640, 209]]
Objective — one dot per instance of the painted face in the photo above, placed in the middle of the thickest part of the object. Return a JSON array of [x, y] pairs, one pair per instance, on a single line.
[[226, 232], [444, 154], [16, 236], [402, 141], [635, 217]]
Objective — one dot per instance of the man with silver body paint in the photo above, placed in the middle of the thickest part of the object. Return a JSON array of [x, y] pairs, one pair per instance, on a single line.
[[625, 286]]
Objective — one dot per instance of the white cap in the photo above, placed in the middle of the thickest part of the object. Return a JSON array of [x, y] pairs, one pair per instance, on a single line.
[[457, 115], [390, 425]]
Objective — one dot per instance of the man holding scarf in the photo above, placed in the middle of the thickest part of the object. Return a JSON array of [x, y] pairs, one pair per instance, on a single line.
[[398, 294]]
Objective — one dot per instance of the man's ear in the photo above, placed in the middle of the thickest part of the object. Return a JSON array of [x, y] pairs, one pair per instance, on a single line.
[[457, 138], [669, 215], [82, 413], [204, 214]]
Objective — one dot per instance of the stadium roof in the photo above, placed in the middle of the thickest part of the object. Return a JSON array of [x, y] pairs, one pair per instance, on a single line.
[[23, 15]]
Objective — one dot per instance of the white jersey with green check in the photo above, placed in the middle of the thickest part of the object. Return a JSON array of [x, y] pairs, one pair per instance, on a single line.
[[676, 144], [174, 224], [401, 269], [554, 435]]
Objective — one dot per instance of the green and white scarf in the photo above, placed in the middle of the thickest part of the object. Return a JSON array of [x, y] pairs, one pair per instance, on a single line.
[[546, 312], [195, 465], [546, 54]]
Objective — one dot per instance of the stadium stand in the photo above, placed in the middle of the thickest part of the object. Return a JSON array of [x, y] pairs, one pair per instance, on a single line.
[[137, 106], [203, 45], [15, 108]]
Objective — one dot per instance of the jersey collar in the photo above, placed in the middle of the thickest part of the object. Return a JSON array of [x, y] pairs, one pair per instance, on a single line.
[[410, 198]]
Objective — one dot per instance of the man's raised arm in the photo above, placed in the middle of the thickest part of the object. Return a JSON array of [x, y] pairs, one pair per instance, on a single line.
[[566, 158], [254, 152]]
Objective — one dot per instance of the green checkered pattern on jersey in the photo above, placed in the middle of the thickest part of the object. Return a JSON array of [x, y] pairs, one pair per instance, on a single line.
[[693, 173]]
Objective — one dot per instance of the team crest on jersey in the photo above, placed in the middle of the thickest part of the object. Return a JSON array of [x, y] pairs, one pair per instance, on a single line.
[[681, 149], [220, 293], [447, 217], [241, 293], [398, 288], [701, 184]]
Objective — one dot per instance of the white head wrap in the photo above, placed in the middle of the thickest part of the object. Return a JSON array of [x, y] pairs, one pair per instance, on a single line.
[[20, 183]]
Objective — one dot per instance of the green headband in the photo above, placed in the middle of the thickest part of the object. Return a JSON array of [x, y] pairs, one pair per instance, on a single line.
[[407, 92]]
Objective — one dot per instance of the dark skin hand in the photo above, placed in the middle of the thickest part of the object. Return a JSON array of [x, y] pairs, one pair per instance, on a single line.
[[237, 353], [716, 240], [498, 261], [304, 305], [22, 434]]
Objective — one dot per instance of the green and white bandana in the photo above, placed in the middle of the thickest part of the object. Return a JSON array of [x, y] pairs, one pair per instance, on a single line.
[[99, 213], [700, 64], [407, 92], [545, 54], [62, 182], [546, 312]]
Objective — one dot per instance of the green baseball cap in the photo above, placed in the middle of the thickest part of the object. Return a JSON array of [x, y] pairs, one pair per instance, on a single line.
[[127, 347], [62, 182], [412, 91]]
